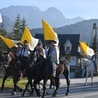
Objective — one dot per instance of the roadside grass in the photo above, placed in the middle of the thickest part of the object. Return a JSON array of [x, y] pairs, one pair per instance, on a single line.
[[9, 83]]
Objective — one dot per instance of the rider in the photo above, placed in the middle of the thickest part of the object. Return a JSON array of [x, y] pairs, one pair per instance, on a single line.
[[19, 47], [24, 55], [40, 50], [53, 55]]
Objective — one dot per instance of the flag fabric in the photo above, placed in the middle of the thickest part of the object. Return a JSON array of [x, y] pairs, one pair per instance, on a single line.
[[9, 42], [86, 50], [31, 40], [0, 18], [49, 34]]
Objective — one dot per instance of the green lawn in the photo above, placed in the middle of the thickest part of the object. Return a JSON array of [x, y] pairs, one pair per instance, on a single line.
[[9, 83]]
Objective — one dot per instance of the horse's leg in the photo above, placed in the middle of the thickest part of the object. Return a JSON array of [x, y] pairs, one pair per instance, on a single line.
[[4, 78], [51, 84], [44, 87], [57, 84], [20, 89], [87, 73], [66, 74], [36, 81], [30, 82], [15, 86], [91, 77], [25, 89]]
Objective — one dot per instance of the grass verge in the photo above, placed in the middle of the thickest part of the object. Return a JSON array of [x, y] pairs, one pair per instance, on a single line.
[[9, 83]]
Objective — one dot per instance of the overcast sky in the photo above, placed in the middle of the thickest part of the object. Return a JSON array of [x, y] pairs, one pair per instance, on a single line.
[[70, 8]]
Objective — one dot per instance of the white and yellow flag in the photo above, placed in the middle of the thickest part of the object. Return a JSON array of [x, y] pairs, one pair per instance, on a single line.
[[86, 50], [9, 42], [31, 40], [0, 18]]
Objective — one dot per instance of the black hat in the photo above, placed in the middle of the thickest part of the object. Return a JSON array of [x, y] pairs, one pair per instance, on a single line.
[[25, 41], [19, 43], [40, 43], [52, 41]]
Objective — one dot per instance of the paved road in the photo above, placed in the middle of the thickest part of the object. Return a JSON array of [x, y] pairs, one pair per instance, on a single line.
[[77, 90]]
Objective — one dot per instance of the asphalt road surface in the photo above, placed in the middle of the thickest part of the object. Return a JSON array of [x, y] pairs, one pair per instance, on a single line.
[[77, 90]]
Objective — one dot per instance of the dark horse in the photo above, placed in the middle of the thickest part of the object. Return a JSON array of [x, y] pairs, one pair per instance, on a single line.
[[9, 62], [42, 70]]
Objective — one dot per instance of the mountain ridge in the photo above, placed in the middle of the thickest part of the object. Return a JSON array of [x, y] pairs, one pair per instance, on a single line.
[[34, 15]]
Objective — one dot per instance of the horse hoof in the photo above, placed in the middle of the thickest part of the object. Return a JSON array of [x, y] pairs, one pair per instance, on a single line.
[[13, 93], [31, 94], [66, 93], [54, 94], [38, 95], [47, 93], [85, 84], [43, 97], [22, 95], [20, 89], [1, 90]]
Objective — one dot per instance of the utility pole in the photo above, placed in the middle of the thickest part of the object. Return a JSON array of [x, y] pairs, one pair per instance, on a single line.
[[95, 35]]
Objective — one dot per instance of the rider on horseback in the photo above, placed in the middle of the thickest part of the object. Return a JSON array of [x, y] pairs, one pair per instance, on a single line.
[[24, 55], [19, 47], [40, 50], [53, 55]]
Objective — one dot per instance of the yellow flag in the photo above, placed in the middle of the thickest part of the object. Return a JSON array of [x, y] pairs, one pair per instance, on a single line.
[[31, 40], [26, 35], [49, 34], [10, 43], [86, 49]]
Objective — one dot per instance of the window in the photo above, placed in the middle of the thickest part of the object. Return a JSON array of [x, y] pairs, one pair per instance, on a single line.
[[67, 46], [67, 50]]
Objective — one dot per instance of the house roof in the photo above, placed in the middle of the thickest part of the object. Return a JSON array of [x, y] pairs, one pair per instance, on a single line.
[[73, 38]]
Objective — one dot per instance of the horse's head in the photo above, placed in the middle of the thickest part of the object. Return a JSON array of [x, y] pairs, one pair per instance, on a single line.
[[2, 57], [8, 58]]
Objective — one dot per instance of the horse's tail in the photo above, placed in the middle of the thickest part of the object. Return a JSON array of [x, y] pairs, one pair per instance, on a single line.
[[65, 64]]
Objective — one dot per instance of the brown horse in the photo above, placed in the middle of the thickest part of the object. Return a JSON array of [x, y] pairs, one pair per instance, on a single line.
[[9, 62], [42, 70]]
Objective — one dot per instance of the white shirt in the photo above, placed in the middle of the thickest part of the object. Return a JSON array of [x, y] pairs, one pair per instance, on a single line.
[[26, 51]]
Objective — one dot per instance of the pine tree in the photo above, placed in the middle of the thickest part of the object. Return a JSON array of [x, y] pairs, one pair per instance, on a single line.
[[16, 29], [23, 24], [3, 31]]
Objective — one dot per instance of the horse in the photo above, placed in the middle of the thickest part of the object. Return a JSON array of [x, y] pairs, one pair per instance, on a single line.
[[42, 70], [89, 65], [11, 69]]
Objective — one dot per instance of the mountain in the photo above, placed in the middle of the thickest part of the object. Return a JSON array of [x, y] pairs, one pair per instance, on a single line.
[[83, 28], [34, 15]]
